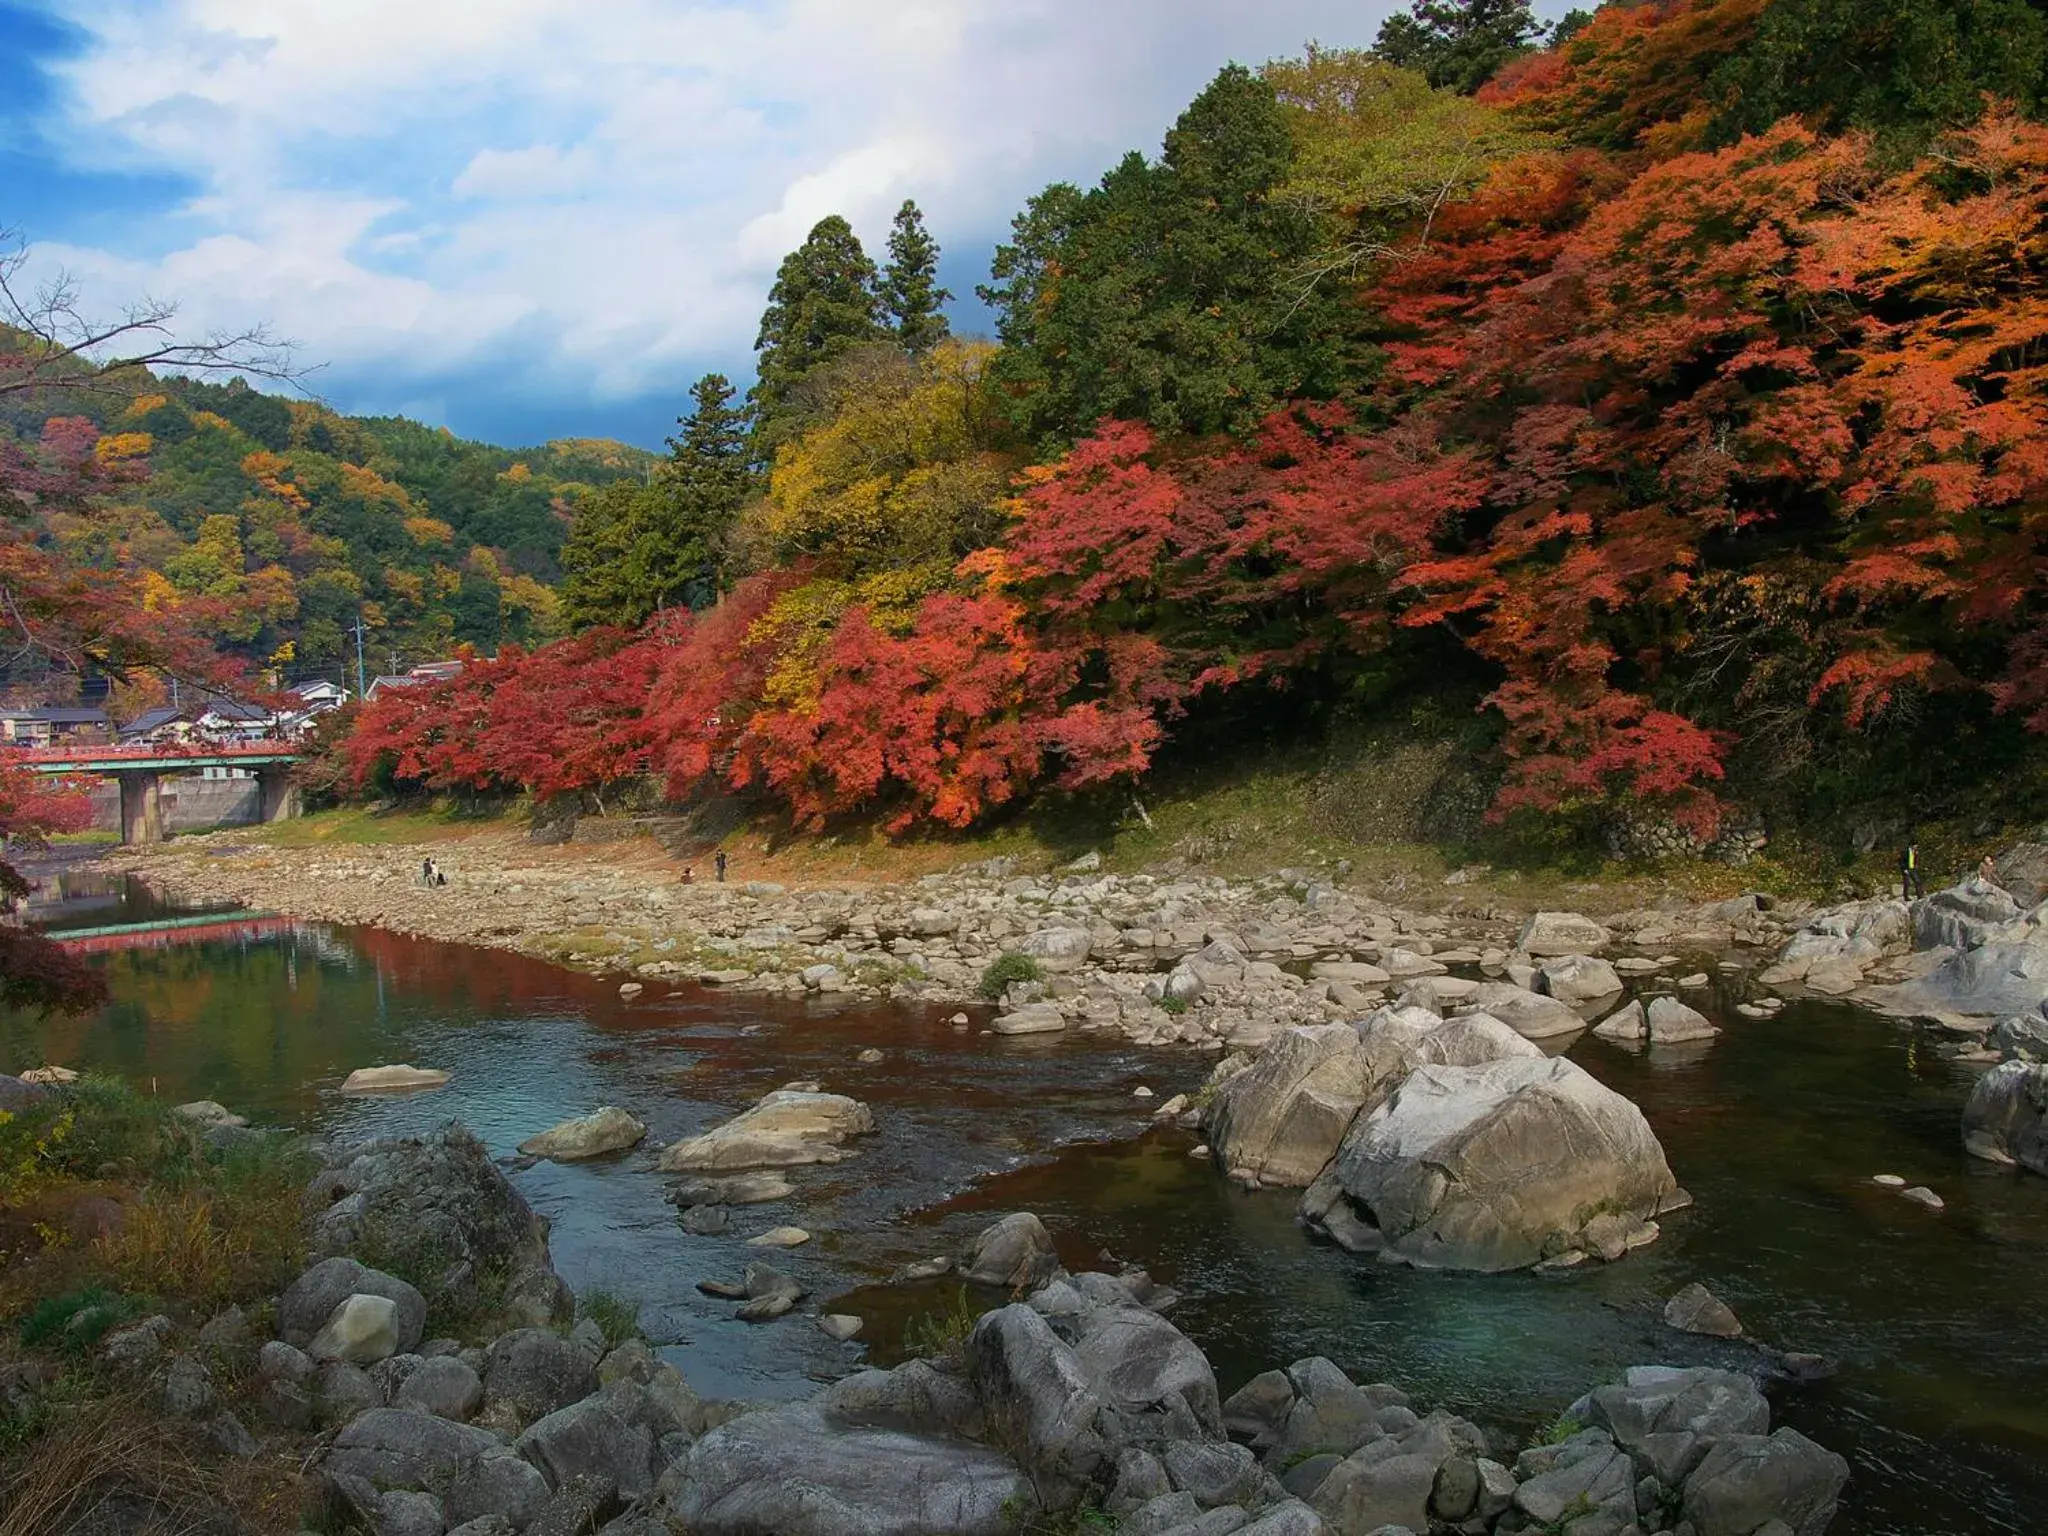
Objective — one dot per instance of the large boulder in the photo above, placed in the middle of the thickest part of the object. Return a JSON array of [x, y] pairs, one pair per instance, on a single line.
[[1031, 1383], [1529, 1014], [1848, 938], [1284, 1116], [1058, 949], [1473, 1039], [1963, 916], [309, 1305], [1577, 979], [440, 1200], [1562, 933], [1669, 1417], [2023, 871], [2006, 1119], [1999, 978], [801, 1471], [787, 1128], [606, 1130], [398, 1448], [592, 1438], [1498, 1167], [1748, 1481], [531, 1372], [1674, 1023], [1015, 1253], [2023, 1037]]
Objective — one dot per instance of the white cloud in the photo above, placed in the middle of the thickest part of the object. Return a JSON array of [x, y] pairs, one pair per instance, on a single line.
[[590, 199]]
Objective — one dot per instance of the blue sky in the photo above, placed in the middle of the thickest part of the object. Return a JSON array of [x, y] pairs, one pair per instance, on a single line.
[[526, 219]]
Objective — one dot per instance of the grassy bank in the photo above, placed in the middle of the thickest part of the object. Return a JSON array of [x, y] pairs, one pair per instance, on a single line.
[[115, 1208], [1399, 805]]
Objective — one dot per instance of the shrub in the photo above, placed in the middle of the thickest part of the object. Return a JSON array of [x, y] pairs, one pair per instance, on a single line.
[[75, 1321], [1008, 968], [618, 1316], [941, 1335]]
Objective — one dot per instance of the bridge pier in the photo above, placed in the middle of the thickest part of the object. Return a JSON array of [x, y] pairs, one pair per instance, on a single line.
[[142, 806], [279, 796]]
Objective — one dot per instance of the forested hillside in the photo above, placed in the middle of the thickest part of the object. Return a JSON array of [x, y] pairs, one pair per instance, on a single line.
[[1672, 392], [273, 523]]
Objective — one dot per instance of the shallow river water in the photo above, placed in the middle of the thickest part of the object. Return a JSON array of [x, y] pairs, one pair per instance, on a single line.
[[1936, 1320]]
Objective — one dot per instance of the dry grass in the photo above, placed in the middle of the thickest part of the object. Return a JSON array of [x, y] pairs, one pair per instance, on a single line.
[[206, 1247], [114, 1465]]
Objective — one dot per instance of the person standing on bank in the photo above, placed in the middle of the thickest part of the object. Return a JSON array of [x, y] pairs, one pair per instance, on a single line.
[[718, 865], [1911, 884]]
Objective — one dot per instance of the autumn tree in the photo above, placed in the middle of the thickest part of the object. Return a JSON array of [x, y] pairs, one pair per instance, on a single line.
[[1460, 44], [910, 291], [823, 304], [1159, 294]]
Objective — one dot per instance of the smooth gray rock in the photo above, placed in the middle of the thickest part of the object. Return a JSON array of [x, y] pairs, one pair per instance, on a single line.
[[16, 1096], [531, 1372], [1625, 1023], [796, 1471], [1576, 979], [603, 1131], [2006, 1118], [1674, 1023], [785, 1129], [1748, 1480], [1698, 1310], [497, 1483], [1667, 1417], [1500, 1166], [393, 1448], [915, 1396], [1284, 1116], [591, 1439], [444, 1386], [1290, 1517], [1963, 916], [340, 1391], [1256, 1411], [1389, 1480], [309, 1303], [1591, 1477], [1031, 1382], [1015, 1253], [1529, 1014], [2023, 1037], [1562, 933]]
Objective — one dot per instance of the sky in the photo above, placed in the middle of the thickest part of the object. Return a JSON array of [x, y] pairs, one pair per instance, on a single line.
[[530, 219]]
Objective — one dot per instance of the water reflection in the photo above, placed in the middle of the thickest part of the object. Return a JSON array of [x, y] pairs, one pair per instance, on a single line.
[[1776, 1129]]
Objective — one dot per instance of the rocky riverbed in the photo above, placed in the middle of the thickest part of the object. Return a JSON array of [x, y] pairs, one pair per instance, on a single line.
[[1159, 958], [1076, 1405]]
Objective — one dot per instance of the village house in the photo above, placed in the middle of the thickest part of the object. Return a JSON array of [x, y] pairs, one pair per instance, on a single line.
[[54, 726]]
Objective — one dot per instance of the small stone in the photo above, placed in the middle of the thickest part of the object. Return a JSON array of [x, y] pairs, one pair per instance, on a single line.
[[959, 1021], [724, 1289], [403, 1078], [1889, 1181], [763, 1308], [1141, 1092], [1199, 1151], [839, 1325], [1698, 1310], [869, 1057], [780, 1237], [1920, 1194], [628, 990], [705, 1220], [1696, 979]]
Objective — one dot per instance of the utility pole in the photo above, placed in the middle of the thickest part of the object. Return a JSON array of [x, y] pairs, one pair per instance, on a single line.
[[362, 683]]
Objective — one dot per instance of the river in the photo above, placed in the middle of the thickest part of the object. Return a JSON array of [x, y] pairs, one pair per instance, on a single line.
[[1935, 1318]]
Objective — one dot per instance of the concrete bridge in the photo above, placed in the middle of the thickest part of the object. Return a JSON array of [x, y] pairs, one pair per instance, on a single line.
[[140, 772]]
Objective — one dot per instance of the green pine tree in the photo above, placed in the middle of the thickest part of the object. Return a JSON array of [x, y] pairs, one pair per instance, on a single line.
[[1459, 43], [1160, 294], [910, 291], [637, 549], [823, 305]]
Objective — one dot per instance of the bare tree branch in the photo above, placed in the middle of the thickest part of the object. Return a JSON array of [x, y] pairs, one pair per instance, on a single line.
[[56, 343]]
